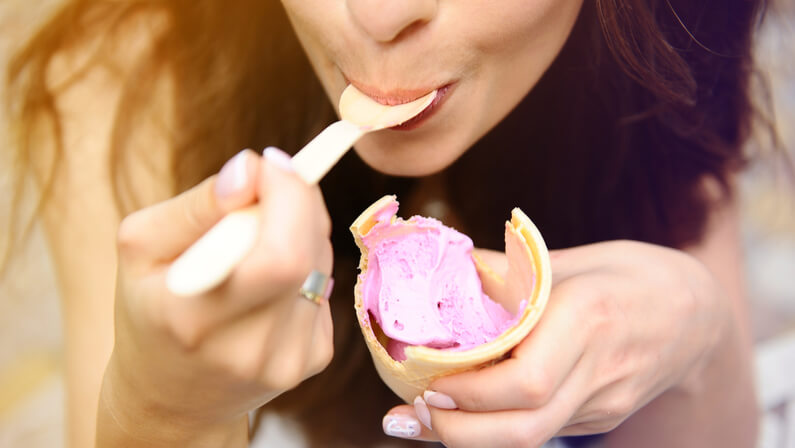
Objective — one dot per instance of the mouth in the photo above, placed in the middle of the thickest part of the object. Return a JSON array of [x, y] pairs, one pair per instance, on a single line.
[[441, 94], [392, 97], [401, 96]]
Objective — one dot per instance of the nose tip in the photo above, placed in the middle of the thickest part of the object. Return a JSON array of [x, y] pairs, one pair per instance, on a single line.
[[385, 20]]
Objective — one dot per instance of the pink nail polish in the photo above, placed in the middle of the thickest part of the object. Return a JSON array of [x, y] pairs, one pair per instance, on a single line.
[[421, 409], [439, 400], [279, 158], [401, 425], [233, 175]]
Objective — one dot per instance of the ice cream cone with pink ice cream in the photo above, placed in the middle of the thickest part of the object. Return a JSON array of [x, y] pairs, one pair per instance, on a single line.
[[428, 307]]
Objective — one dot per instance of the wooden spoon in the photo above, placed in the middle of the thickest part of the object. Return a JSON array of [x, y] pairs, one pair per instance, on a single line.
[[210, 260]]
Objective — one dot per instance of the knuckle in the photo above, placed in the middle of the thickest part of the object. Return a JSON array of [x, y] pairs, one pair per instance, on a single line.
[[323, 220], [327, 256], [154, 313], [185, 333], [247, 367], [128, 233], [598, 309], [288, 267], [688, 303], [324, 353], [474, 400], [180, 323], [321, 216], [325, 223], [283, 382], [283, 373], [242, 359], [619, 406], [192, 205], [536, 387]]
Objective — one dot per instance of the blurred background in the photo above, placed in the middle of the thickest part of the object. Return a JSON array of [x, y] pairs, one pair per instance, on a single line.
[[31, 390]]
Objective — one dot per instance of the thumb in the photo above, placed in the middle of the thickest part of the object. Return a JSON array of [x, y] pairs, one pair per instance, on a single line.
[[571, 261], [165, 230]]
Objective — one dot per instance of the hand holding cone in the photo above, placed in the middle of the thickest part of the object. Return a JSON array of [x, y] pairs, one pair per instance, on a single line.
[[528, 278]]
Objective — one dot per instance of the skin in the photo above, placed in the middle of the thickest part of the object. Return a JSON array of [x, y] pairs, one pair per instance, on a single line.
[[659, 333], [493, 61], [228, 340]]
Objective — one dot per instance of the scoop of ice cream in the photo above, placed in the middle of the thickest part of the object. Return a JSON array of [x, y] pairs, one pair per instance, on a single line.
[[422, 287]]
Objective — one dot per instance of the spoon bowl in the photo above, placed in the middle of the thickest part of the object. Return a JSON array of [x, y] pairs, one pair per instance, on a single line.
[[360, 109]]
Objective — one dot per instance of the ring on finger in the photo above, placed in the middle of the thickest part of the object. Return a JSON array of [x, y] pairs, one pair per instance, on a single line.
[[317, 287]]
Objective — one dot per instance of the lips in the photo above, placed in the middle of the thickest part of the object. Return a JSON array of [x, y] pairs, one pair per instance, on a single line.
[[397, 96], [392, 97]]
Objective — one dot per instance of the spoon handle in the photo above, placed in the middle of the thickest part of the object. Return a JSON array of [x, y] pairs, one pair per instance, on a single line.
[[318, 156], [210, 260]]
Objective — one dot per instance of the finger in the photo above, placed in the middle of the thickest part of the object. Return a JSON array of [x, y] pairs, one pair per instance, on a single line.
[[529, 378], [566, 263], [509, 428], [239, 347], [495, 260], [322, 343], [584, 429], [272, 344], [295, 229], [304, 342], [250, 349], [194, 318], [402, 422], [165, 230], [293, 241], [236, 184], [461, 429], [604, 410]]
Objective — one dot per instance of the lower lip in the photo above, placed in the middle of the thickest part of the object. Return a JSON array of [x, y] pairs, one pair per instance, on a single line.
[[441, 94]]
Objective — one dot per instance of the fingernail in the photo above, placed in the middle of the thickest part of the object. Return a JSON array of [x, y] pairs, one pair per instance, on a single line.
[[401, 425], [279, 158], [421, 409], [439, 400], [233, 175]]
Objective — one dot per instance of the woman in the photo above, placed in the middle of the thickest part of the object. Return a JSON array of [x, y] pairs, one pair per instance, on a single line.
[[616, 125]]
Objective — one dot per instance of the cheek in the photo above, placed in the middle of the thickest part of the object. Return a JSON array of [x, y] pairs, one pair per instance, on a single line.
[[515, 23], [517, 45], [521, 36], [316, 34]]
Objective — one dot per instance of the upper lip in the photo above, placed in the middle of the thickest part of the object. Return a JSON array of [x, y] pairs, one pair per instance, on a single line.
[[392, 97]]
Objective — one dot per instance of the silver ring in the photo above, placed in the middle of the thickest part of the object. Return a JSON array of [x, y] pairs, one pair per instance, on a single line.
[[317, 287]]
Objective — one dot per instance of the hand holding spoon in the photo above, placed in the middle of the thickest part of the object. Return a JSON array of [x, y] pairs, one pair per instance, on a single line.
[[210, 260]]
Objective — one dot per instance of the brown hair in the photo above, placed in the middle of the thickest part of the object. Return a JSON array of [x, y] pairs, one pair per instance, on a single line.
[[225, 59], [646, 99]]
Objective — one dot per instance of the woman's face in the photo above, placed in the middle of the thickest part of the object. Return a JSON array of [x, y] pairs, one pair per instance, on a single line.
[[484, 56]]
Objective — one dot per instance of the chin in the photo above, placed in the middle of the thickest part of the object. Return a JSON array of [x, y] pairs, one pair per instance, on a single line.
[[411, 154]]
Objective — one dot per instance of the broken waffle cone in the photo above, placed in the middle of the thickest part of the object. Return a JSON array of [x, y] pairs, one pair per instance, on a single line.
[[528, 278]]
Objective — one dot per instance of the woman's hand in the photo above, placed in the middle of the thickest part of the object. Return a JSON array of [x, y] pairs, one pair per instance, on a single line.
[[625, 322], [186, 370]]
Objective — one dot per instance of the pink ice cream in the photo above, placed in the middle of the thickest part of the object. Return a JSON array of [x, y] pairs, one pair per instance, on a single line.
[[422, 288]]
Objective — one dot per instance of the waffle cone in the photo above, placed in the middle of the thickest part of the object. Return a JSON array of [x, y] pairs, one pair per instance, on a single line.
[[528, 277]]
